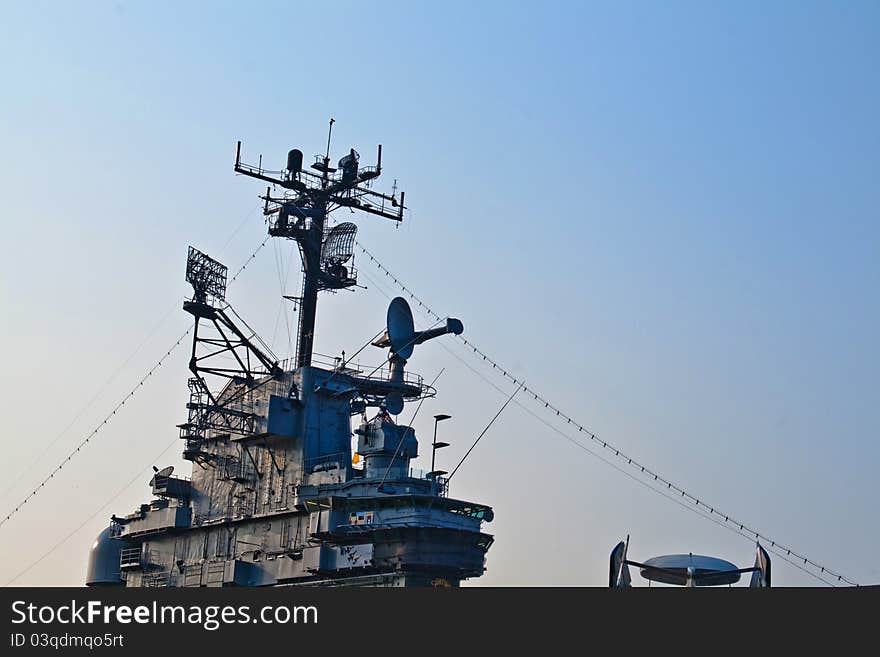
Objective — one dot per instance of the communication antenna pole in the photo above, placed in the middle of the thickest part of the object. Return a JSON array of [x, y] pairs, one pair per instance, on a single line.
[[329, 134], [298, 206]]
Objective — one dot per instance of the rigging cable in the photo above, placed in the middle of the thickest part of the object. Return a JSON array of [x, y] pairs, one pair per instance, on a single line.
[[89, 404], [344, 362], [119, 405], [91, 517], [387, 359], [626, 473], [606, 461], [282, 283], [408, 431], [483, 433], [684, 495], [94, 431]]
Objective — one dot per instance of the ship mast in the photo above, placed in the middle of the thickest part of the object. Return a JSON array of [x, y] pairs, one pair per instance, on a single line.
[[298, 204]]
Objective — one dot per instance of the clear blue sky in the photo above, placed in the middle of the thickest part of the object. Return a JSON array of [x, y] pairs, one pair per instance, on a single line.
[[662, 215]]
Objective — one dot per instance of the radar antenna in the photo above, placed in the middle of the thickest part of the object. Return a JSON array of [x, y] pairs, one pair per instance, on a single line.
[[220, 348], [688, 570], [300, 211]]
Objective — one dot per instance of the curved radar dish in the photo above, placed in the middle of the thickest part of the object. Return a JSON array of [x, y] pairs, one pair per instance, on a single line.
[[339, 243], [164, 473], [401, 335], [680, 568], [401, 328]]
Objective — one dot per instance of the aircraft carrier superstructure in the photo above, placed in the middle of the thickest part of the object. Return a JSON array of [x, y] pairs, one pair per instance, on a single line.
[[277, 495]]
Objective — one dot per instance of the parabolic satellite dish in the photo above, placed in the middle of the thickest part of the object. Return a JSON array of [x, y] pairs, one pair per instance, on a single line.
[[401, 328]]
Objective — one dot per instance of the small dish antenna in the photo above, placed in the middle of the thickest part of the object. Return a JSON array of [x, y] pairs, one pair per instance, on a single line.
[[394, 403], [164, 473], [401, 328], [401, 335]]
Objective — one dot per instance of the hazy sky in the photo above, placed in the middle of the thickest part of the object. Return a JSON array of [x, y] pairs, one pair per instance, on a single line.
[[662, 215]]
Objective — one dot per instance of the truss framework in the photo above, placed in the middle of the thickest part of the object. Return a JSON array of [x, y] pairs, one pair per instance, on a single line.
[[223, 350]]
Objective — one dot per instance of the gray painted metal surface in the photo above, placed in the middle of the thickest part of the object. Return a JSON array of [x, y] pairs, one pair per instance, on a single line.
[[104, 557], [274, 497], [680, 568]]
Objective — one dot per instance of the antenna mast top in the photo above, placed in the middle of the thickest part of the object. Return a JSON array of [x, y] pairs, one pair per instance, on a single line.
[[329, 134], [299, 210]]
